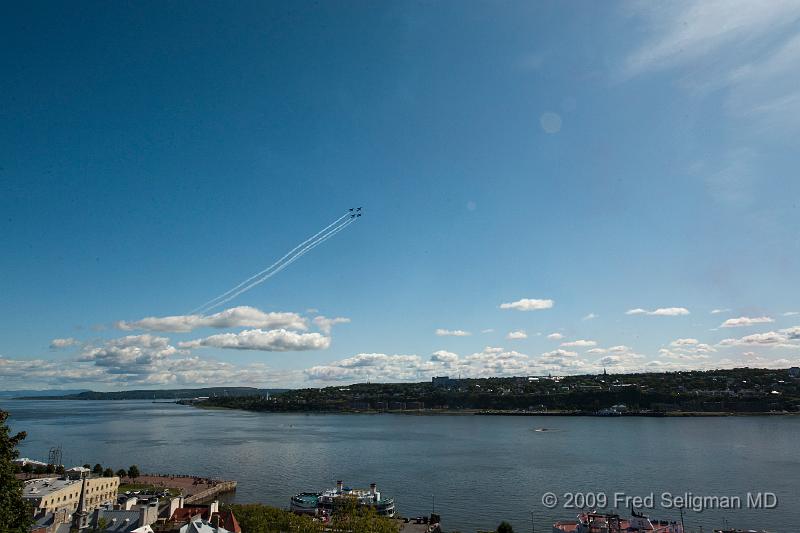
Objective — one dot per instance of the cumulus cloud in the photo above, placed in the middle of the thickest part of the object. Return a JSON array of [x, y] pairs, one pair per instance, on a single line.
[[27, 373], [136, 360], [555, 336], [516, 335], [746, 321], [784, 338], [444, 357], [661, 311], [325, 324], [371, 367], [130, 354], [452, 333], [579, 344], [559, 353], [276, 340], [528, 304], [491, 361], [496, 361], [687, 349], [684, 342], [792, 333], [57, 344], [242, 316]]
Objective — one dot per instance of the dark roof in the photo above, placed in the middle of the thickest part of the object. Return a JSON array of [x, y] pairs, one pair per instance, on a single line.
[[115, 520]]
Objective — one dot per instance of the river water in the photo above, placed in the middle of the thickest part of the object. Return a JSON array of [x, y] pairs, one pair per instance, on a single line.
[[475, 470]]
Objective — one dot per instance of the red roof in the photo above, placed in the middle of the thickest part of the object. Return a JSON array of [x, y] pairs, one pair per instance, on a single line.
[[228, 521], [184, 514]]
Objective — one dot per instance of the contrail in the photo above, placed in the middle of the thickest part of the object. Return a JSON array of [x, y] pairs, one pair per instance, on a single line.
[[297, 256], [273, 265], [289, 258]]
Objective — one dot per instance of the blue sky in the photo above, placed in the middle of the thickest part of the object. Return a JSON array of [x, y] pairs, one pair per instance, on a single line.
[[606, 156]]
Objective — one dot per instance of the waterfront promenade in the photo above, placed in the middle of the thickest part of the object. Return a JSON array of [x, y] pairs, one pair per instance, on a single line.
[[194, 489]]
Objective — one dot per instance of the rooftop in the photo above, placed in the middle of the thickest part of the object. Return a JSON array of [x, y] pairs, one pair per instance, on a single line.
[[37, 488], [119, 520]]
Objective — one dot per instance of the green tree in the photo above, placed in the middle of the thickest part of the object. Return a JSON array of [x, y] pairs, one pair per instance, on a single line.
[[505, 527], [15, 515], [50, 469], [108, 472], [60, 470], [27, 468], [257, 518], [87, 465], [98, 469], [133, 472], [122, 473]]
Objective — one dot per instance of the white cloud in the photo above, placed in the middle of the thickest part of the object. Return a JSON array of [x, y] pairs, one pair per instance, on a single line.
[[452, 333], [487, 330], [242, 316], [687, 349], [516, 335], [579, 344], [129, 354], [276, 340], [661, 311], [555, 336], [590, 316], [136, 360], [558, 352], [684, 342], [784, 338], [371, 367], [746, 321], [528, 304], [325, 324], [29, 373], [791, 313], [63, 343], [445, 357], [718, 311]]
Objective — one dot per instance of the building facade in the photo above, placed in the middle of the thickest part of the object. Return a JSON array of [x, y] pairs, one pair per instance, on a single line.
[[48, 495]]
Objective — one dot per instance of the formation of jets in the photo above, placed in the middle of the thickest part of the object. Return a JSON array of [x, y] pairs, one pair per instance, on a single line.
[[355, 212]]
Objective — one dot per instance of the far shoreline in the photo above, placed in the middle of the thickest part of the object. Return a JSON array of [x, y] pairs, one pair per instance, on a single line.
[[478, 412]]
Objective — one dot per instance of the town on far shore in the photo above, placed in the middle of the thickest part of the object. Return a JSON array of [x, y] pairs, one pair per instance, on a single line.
[[688, 393]]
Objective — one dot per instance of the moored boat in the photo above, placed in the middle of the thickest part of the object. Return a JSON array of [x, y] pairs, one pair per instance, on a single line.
[[593, 522], [329, 501]]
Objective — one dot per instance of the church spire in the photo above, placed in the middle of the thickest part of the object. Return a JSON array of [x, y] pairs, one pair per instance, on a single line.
[[80, 519]]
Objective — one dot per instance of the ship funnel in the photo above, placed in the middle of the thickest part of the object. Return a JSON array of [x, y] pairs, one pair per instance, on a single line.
[[340, 485]]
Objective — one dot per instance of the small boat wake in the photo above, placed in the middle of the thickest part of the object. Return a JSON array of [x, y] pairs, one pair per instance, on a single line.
[[546, 430]]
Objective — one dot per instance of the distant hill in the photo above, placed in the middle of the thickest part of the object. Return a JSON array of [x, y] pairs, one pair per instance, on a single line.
[[33, 392], [164, 394]]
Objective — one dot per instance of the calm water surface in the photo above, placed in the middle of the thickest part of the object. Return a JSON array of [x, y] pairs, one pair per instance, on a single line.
[[476, 470]]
